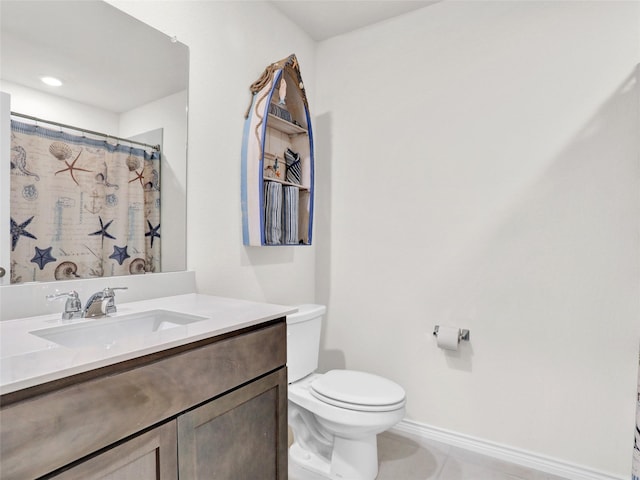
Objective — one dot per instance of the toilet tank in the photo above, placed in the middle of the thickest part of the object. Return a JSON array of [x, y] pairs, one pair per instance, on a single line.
[[303, 340]]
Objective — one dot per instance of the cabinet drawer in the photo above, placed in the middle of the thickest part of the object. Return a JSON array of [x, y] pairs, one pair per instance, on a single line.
[[46, 432], [150, 456]]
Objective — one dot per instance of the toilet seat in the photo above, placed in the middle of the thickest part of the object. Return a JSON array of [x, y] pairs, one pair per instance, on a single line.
[[360, 391]]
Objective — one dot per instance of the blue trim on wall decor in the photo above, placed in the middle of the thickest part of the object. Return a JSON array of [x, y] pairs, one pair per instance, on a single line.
[[312, 187], [243, 179]]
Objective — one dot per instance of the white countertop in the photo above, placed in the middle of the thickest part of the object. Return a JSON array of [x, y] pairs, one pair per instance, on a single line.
[[27, 360]]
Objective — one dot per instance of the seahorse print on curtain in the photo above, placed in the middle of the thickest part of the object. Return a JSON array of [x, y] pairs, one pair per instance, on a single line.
[[81, 207]]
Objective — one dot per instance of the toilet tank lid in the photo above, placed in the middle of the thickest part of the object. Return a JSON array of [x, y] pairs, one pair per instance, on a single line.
[[306, 312]]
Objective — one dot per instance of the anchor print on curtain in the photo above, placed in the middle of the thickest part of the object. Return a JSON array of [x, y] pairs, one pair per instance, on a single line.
[[81, 207]]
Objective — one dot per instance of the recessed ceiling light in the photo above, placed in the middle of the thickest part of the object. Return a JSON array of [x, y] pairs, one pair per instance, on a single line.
[[51, 81]]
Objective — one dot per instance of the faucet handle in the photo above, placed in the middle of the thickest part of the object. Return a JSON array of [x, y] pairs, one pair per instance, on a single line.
[[109, 290], [73, 305], [110, 295]]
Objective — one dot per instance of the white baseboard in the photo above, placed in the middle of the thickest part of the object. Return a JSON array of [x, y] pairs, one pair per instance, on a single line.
[[503, 452]]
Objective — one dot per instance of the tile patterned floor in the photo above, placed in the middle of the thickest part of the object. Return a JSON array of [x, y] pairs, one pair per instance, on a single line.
[[403, 457]]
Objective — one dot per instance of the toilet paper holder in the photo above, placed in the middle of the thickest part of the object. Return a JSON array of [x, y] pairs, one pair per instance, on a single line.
[[463, 333]]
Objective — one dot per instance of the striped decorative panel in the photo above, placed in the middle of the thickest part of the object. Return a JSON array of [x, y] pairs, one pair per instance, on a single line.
[[273, 213], [290, 218]]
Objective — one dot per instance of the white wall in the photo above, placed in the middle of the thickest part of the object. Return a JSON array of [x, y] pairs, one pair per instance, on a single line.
[[476, 166], [230, 44], [479, 167], [43, 105]]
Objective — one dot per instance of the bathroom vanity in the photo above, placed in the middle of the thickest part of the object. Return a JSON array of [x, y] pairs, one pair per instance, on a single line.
[[206, 398]]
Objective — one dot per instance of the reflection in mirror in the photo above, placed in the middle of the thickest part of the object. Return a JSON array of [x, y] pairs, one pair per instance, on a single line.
[[119, 77]]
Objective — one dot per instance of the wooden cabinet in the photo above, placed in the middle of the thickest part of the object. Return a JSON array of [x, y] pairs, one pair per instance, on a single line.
[[237, 436], [216, 408], [278, 160]]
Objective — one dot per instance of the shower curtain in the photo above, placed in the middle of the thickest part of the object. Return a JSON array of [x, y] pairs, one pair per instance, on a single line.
[[81, 207]]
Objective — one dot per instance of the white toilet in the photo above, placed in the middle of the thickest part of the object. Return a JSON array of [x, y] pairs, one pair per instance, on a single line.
[[335, 417]]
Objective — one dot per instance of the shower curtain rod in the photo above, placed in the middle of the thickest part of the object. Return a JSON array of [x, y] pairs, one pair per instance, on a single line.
[[51, 122]]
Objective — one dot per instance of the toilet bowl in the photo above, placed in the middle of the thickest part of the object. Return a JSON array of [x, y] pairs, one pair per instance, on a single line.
[[339, 442], [336, 416]]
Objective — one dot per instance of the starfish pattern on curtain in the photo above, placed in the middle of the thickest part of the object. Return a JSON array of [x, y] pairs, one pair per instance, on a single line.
[[81, 207]]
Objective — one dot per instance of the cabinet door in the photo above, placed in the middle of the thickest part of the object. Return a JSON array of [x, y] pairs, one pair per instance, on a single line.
[[150, 456], [241, 435]]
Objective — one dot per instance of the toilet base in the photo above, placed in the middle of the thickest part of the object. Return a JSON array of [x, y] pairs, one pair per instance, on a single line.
[[307, 465], [355, 459], [350, 460]]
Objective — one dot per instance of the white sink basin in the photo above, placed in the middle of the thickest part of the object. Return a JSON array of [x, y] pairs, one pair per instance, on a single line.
[[108, 331]]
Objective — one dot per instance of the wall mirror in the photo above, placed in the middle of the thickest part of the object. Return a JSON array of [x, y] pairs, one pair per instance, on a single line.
[[119, 77]]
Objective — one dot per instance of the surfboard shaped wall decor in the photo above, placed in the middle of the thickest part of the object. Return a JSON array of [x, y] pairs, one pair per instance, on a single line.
[[278, 160]]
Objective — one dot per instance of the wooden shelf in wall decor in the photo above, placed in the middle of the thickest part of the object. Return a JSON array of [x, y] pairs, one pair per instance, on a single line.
[[285, 126], [278, 160]]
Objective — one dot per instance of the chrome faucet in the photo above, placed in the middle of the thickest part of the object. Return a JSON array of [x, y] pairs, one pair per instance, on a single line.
[[101, 303], [72, 307]]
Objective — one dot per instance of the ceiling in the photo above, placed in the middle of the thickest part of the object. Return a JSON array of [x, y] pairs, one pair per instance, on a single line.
[[116, 63], [323, 19], [118, 72]]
